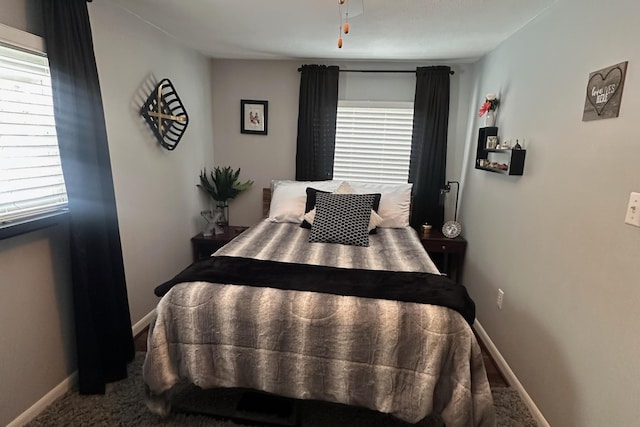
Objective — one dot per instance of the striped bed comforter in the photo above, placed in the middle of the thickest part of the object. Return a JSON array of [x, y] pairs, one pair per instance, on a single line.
[[396, 249], [407, 359]]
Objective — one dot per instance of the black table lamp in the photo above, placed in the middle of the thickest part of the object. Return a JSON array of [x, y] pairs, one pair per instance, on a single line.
[[447, 189]]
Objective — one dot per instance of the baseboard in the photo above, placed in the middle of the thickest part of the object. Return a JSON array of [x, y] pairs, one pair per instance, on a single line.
[[143, 323], [67, 383], [509, 375], [46, 400]]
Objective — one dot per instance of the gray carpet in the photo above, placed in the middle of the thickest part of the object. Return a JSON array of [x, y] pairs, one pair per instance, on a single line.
[[123, 405]]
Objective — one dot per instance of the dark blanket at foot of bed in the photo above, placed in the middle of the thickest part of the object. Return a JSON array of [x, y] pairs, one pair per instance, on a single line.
[[418, 287]]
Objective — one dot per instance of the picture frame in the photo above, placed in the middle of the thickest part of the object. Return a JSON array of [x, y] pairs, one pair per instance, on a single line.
[[492, 142], [254, 116], [604, 93]]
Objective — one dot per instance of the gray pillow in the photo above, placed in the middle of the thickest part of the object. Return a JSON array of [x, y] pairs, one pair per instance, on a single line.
[[342, 218]]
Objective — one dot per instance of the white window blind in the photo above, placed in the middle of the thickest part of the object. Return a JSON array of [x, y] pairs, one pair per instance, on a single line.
[[31, 181], [373, 141]]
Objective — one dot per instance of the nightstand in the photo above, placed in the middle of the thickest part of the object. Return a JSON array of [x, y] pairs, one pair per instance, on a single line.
[[204, 246], [448, 254]]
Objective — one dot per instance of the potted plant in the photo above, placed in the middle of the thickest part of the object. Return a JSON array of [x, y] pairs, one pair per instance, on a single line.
[[222, 185]]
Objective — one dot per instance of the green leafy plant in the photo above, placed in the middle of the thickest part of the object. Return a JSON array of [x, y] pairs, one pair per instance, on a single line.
[[222, 184]]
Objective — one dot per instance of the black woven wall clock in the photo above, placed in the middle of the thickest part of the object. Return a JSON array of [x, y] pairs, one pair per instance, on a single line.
[[164, 113]]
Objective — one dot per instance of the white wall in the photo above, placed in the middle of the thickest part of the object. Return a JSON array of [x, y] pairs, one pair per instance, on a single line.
[[156, 194], [264, 158], [554, 239]]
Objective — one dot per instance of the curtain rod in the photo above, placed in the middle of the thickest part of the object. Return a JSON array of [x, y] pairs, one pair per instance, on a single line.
[[380, 71]]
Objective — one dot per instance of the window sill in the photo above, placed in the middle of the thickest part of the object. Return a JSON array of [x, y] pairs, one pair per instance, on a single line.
[[32, 224]]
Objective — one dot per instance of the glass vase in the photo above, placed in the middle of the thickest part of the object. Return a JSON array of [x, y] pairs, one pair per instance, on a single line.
[[221, 213], [208, 229], [490, 118]]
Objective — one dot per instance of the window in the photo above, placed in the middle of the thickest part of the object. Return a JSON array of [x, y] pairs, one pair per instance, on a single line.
[[31, 181], [373, 141]]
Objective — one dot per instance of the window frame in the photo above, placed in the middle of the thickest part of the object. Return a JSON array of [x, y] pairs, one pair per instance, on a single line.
[[18, 39]]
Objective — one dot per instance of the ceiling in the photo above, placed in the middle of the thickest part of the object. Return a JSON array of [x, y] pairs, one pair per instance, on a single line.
[[386, 31]]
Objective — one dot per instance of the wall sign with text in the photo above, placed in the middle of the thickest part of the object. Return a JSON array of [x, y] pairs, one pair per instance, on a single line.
[[604, 93]]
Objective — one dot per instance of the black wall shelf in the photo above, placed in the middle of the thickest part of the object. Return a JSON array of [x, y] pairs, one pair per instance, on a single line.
[[513, 159]]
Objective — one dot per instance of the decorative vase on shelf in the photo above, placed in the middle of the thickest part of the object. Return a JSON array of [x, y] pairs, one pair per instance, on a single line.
[[490, 118]]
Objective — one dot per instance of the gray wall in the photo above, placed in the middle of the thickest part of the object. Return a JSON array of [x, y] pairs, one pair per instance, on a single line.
[[25, 15], [554, 239], [158, 204], [261, 157], [37, 337], [156, 194], [264, 158], [36, 321]]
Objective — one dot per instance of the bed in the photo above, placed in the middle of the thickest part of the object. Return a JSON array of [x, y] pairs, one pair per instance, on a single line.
[[374, 326]]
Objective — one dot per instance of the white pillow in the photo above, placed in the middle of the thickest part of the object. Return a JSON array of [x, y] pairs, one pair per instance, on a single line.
[[395, 203], [288, 198]]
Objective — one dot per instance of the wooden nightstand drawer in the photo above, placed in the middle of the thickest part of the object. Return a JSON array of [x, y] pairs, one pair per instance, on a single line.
[[449, 247]]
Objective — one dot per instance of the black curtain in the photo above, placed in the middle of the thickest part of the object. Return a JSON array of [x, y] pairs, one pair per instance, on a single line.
[[429, 144], [102, 321], [317, 111]]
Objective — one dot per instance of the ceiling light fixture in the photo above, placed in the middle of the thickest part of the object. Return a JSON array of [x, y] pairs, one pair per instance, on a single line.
[[347, 9], [344, 29]]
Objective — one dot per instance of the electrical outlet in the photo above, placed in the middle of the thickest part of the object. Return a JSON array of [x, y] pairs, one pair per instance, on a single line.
[[633, 210], [500, 298]]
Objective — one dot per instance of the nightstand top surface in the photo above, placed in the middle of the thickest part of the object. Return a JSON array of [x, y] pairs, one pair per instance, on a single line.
[[229, 233], [436, 235]]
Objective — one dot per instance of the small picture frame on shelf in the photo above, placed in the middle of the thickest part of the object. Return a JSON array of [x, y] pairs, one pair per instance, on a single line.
[[492, 142]]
